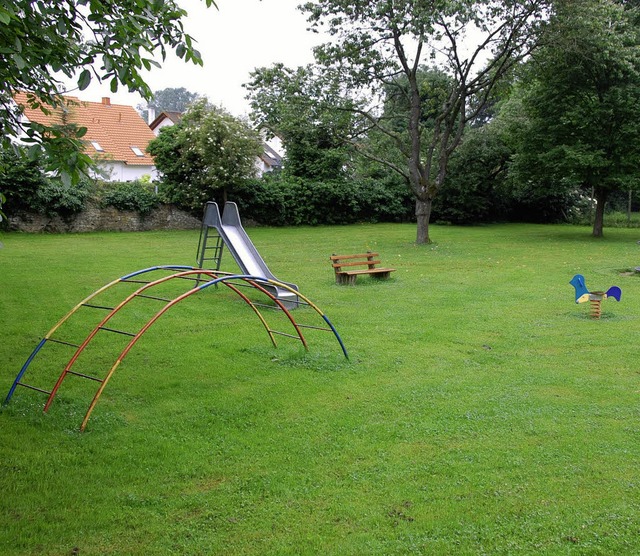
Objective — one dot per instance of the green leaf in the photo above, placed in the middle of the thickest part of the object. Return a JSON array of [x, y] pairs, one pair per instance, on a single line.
[[84, 80], [5, 16], [33, 152], [20, 61]]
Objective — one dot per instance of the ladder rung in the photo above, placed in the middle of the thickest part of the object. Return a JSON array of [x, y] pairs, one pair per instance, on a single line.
[[85, 376], [243, 284], [62, 342], [97, 306], [33, 388], [314, 327], [284, 334], [265, 306], [153, 297], [116, 331]]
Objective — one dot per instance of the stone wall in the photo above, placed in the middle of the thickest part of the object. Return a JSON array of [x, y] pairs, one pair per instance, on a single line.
[[95, 219]]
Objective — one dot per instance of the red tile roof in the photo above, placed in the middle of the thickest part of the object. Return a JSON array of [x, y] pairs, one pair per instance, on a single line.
[[115, 127]]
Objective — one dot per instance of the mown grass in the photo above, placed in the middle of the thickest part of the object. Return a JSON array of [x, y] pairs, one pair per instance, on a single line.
[[482, 411]]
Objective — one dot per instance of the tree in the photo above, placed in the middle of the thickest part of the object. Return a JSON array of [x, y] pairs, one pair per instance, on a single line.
[[44, 42], [204, 155], [300, 107], [582, 103], [473, 191], [20, 181], [375, 42], [169, 100]]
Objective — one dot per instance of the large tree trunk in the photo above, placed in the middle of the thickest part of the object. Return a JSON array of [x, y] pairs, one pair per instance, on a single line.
[[601, 195], [423, 215]]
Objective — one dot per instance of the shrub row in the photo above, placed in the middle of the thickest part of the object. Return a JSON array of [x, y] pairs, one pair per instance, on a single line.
[[267, 201], [138, 196], [27, 189], [276, 201]]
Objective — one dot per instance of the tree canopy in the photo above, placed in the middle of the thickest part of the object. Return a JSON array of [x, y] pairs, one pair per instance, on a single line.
[[581, 100], [171, 99], [44, 43], [375, 42], [203, 155], [308, 113]]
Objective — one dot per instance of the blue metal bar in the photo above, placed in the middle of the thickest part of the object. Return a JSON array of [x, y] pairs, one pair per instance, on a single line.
[[161, 267], [335, 332], [23, 370]]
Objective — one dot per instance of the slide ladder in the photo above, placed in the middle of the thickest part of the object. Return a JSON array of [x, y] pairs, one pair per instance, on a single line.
[[228, 230], [210, 247]]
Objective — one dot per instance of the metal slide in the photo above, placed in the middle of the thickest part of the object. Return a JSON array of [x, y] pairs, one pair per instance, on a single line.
[[242, 249]]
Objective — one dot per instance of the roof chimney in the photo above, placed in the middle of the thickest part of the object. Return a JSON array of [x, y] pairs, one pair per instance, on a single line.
[[106, 101]]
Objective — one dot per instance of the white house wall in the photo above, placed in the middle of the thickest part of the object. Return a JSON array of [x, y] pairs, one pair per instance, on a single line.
[[164, 123], [118, 171]]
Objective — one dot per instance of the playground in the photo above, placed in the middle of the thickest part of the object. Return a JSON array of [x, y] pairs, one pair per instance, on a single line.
[[480, 409]]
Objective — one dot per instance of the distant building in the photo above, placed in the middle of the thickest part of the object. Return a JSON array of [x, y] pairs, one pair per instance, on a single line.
[[269, 160], [163, 119], [116, 138]]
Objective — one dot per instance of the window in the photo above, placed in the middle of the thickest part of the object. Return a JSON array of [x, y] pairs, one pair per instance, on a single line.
[[97, 146], [136, 151]]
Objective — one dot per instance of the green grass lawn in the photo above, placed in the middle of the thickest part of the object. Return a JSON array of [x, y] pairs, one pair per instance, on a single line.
[[481, 412]]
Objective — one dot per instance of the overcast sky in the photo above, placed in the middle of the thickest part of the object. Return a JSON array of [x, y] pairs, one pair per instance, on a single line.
[[234, 40]]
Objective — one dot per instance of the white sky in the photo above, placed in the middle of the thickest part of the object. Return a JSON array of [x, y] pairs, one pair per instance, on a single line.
[[234, 40]]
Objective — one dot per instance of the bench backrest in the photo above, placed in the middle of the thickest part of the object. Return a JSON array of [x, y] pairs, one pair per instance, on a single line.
[[368, 259]]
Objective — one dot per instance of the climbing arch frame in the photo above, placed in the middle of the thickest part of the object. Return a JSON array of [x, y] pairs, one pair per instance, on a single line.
[[199, 280]]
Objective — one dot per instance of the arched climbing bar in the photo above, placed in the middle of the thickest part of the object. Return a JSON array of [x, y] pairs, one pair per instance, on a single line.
[[308, 302], [223, 279], [280, 305], [259, 284], [48, 337], [140, 292]]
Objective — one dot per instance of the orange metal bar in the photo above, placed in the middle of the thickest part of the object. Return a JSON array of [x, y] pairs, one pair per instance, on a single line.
[[100, 325], [153, 319], [47, 337]]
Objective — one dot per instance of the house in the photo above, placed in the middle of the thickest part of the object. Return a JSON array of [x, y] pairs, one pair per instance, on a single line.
[[163, 119], [116, 138], [269, 160]]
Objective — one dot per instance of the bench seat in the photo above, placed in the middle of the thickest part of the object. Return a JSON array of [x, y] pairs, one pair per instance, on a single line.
[[347, 275]]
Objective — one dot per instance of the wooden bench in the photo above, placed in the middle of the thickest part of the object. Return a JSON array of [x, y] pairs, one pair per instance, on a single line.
[[343, 265]]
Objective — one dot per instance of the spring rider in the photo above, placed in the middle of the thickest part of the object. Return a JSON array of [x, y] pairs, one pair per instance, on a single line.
[[595, 298]]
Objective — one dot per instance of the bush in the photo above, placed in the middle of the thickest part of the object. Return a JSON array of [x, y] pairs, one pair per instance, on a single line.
[[138, 196], [29, 190], [20, 180], [204, 155], [54, 198]]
